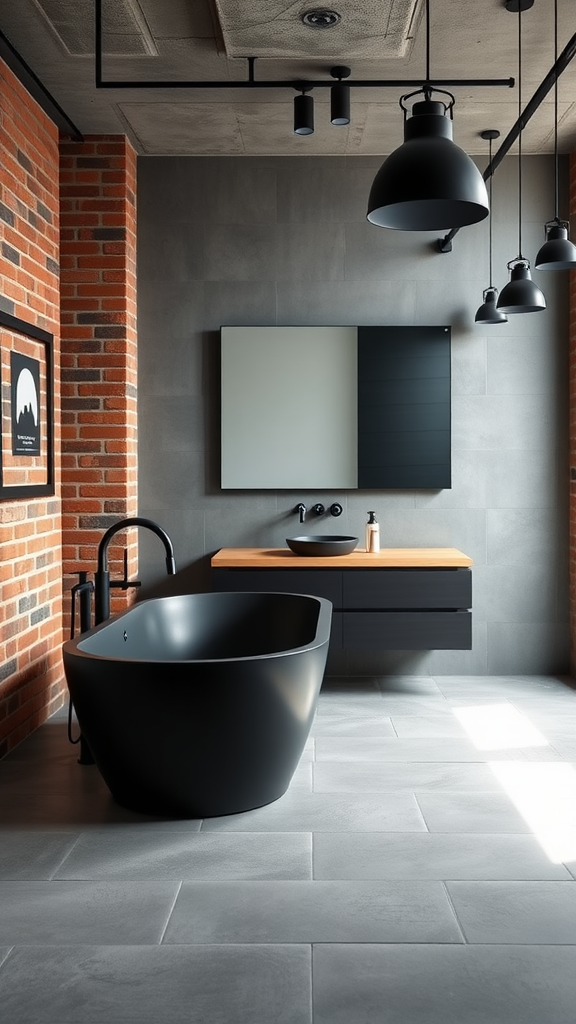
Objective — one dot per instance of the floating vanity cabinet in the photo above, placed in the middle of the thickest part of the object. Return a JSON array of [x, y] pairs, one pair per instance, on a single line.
[[399, 599]]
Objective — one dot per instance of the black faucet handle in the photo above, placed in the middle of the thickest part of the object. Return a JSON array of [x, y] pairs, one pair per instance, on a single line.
[[125, 583]]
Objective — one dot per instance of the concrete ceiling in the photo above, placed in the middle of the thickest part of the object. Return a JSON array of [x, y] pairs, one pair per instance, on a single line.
[[209, 41]]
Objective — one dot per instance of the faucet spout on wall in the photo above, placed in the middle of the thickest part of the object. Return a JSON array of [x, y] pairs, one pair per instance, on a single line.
[[301, 509], [102, 582]]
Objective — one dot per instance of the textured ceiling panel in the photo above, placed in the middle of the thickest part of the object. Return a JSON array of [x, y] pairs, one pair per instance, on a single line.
[[272, 28], [125, 30], [194, 128]]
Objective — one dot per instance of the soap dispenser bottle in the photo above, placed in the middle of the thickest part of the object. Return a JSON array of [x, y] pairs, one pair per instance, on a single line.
[[372, 534]]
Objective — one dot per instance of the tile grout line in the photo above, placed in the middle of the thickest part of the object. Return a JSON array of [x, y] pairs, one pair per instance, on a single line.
[[170, 912]]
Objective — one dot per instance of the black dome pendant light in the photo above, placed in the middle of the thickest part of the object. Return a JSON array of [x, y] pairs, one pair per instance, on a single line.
[[428, 183], [488, 313], [520, 295], [558, 252]]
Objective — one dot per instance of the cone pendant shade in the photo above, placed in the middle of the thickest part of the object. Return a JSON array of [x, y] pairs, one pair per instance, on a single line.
[[428, 183], [488, 312], [521, 295], [558, 252]]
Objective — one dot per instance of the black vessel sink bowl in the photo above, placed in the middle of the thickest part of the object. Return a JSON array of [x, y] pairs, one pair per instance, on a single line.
[[322, 544]]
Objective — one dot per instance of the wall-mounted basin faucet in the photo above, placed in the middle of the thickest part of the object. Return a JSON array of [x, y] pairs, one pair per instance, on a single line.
[[102, 582], [301, 509]]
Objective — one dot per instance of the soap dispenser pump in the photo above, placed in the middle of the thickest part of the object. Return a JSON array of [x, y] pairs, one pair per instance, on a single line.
[[372, 534]]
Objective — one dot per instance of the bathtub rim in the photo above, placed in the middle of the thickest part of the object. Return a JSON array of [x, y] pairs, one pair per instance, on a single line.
[[72, 647]]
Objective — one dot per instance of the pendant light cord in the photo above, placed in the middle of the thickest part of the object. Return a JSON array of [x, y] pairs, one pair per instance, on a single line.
[[520, 132], [556, 199], [490, 214]]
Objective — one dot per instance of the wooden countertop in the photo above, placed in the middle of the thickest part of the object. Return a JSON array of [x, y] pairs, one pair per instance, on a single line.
[[387, 558]]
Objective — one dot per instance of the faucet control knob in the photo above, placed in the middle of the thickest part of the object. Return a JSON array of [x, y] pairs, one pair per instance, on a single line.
[[336, 509], [318, 509]]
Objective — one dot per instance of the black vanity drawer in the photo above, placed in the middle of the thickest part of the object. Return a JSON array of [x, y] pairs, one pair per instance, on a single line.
[[320, 583], [407, 588], [407, 631]]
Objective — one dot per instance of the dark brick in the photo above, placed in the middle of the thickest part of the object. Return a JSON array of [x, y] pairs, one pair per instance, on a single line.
[[10, 254], [97, 522], [43, 211], [32, 218], [81, 375], [7, 305], [26, 603], [52, 265], [39, 615], [25, 162], [114, 331], [93, 318], [8, 669], [109, 234], [80, 404], [6, 215]]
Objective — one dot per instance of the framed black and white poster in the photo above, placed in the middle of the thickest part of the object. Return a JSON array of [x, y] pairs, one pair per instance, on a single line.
[[26, 410], [25, 402]]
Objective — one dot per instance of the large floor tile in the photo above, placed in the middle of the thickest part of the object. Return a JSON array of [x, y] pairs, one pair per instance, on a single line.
[[491, 811], [448, 984], [34, 855], [321, 812], [107, 913], [175, 856], [394, 749], [350, 777], [427, 726], [516, 912], [341, 725], [238, 912], [157, 985], [432, 856]]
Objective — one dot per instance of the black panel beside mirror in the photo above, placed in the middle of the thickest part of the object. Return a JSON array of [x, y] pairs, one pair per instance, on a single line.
[[335, 407]]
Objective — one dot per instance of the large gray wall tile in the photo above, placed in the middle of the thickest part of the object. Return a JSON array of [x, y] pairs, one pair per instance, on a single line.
[[285, 241]]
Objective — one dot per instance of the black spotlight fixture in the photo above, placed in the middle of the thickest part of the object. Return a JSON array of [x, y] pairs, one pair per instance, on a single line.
[[303, 112], [340, 96], [428, 183], [488, 313], [521, 294], [558, 252]]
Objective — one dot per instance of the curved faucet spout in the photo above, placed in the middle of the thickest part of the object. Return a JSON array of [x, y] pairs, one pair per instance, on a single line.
[[102, 576]]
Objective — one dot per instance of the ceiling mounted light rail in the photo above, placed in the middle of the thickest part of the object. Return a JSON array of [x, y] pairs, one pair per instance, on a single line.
[[428, 182], [317, 18]]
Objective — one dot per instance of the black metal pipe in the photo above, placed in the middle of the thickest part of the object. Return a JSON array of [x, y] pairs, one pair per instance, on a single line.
[[445, 244]]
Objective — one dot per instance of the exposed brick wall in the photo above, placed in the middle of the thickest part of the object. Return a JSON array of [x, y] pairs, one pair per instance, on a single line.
[[573, 431], [99, 351], [31, 677]]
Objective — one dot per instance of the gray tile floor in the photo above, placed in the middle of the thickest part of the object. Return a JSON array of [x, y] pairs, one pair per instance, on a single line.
[[420, 870]]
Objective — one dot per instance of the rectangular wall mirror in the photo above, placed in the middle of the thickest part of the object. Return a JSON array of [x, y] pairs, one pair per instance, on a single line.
[[335, 407]]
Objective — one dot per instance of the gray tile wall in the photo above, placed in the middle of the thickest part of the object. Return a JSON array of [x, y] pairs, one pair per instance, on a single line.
[[285, 241]]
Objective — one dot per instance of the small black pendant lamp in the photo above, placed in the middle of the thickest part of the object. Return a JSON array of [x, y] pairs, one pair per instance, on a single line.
[[488, 313], [558, 252], [303, 112], [428, 183], [520, 295], [340, 96]]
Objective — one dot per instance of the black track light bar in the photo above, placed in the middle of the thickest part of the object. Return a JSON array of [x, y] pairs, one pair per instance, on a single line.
[[252, 83], [445, 244]]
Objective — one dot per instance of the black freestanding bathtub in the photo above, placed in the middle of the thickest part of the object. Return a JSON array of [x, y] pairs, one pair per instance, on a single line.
[[200, 704]]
